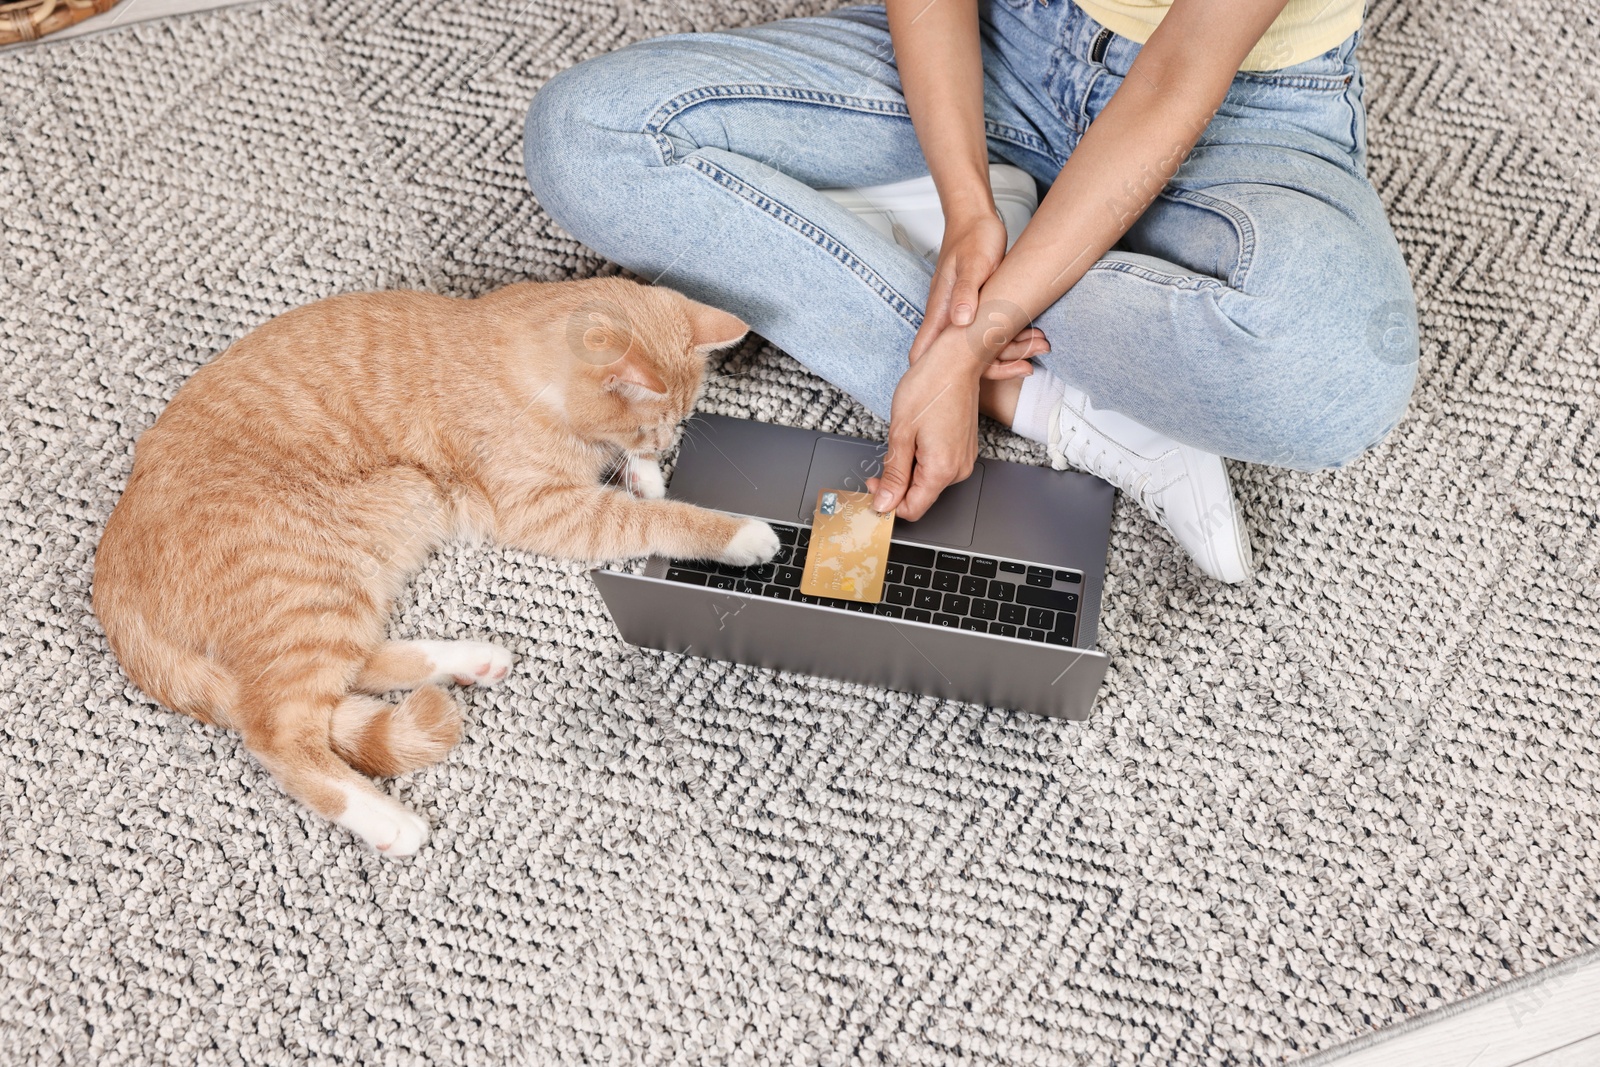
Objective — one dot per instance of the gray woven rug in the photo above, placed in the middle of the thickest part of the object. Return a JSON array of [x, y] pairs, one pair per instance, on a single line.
[[1360, 788]]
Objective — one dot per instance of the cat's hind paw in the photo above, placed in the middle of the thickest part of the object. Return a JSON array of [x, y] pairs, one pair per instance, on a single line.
[[467, 662], [753, 543], [385, 825]]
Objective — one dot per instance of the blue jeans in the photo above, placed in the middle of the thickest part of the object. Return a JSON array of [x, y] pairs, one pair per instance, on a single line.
[[1259, 309]]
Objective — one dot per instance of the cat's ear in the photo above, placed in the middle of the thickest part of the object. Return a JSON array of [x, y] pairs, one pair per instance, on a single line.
[[713, 329], [632, 379]]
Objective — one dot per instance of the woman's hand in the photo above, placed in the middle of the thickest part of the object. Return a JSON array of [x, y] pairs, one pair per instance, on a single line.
[[933, 427], [933, 419], [973, 246]]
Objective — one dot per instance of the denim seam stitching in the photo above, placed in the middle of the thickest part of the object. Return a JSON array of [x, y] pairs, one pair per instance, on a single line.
[[1187, 281], [1080, 119], [813, 233], [1330, 83], [674, 108], [1242, 226]]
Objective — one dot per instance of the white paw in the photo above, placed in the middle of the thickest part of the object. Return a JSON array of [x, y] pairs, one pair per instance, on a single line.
[[754, 543], [385, 825], [644, 478], [466, 662]]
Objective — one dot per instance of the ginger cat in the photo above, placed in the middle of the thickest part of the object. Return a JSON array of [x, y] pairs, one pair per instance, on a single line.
[[291, 487]]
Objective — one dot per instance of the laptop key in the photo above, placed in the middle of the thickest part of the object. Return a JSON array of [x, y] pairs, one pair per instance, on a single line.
[[899, 594], [946, 581], [856, 605], [927, 599], [984, 568], [889, 610], [975, 624], [1028, 634], [912, 555], [764, 572], [678, 574], [721, 581], [950, 561], [1004, 629], [917, 615], [1065, 621], [919, 576], [1058, 638], [790, 576], [893, 572], [785, 554], [956, 604], [951, 621], [1040, 572], [778, 591], [785, 533], [1043, 581], [984, 609], [1041, 618], [1012, 568], [1047, 598], [1015, 614], [802, 538], [1005, 592], [746, 585], [1069, 576]]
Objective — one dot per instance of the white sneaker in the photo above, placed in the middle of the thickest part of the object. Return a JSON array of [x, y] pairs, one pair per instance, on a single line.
[[908, 212], [1181, 488]]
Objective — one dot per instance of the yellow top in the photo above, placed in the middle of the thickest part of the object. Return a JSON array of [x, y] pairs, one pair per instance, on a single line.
[[1304, 29]]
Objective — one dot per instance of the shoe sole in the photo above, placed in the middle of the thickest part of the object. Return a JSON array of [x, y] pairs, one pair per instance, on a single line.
[[1016, 197]]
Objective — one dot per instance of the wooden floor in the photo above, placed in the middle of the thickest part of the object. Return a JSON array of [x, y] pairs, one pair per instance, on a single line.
[[130, 11], [1553, 1021]]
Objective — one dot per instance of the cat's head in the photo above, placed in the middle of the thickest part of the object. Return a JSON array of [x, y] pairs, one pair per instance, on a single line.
[[639, 360]]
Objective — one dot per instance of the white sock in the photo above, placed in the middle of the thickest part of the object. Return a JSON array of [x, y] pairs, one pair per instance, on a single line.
[[1041, 392]]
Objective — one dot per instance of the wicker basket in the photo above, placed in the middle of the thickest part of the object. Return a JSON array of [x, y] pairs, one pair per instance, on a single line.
[[28, 20]]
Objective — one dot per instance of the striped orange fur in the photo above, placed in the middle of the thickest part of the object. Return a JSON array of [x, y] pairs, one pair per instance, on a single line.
[[293, 485]]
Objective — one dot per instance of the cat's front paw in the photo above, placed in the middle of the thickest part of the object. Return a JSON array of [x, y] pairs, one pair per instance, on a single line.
[[467, 662], [644, 478], [753, 543]]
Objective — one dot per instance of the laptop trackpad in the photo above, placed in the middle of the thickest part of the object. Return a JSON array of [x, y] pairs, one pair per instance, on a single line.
[[838, 464]]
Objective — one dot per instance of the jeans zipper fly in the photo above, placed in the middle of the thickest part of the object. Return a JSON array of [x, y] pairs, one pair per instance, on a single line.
[[1097, 50]]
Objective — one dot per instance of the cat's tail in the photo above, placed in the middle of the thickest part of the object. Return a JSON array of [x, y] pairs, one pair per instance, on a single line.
[[387, 739], [293, 737]]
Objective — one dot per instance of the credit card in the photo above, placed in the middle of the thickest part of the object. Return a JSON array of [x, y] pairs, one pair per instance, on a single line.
[[849, 548]]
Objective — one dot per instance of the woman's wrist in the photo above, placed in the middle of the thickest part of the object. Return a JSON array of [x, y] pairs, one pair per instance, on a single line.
[[962, 354], [967, 197]]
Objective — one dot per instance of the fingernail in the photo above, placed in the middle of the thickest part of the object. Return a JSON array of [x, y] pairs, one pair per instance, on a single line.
[[962, 316], [881, 501]]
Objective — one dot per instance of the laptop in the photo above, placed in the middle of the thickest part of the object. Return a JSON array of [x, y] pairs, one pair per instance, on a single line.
[[992, 597]]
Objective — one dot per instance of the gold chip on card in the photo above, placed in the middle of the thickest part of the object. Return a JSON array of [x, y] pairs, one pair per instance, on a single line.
[[849, 548]]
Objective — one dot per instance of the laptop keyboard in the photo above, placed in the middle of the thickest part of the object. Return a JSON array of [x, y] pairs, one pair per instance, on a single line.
[[984, 594]]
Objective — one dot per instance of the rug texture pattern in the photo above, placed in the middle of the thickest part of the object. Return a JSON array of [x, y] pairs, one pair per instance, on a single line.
[[1364, 786]]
